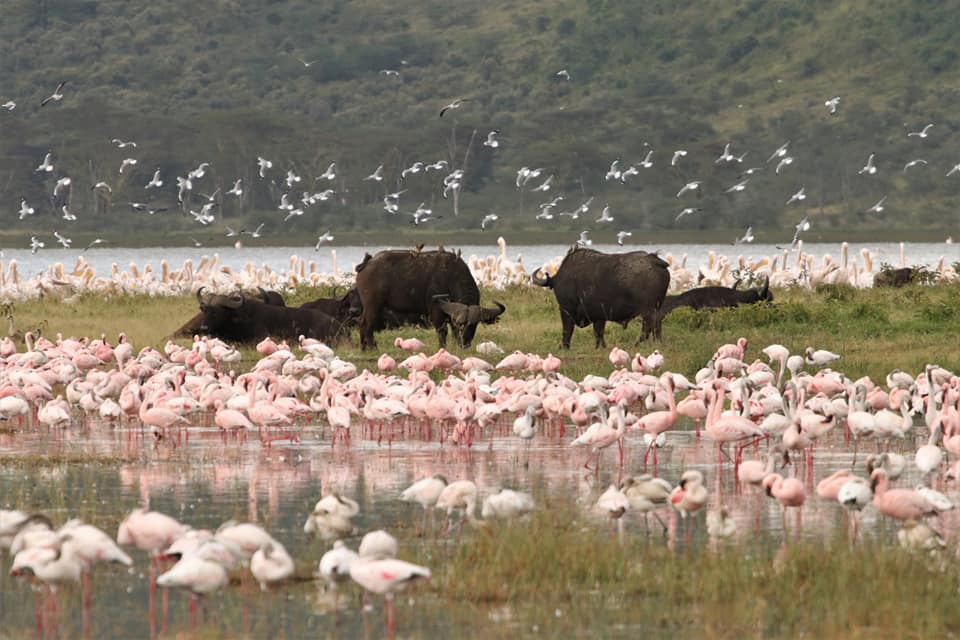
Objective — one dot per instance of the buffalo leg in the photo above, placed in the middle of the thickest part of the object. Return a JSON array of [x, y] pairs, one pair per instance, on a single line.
[[567, 323], [599, 326]]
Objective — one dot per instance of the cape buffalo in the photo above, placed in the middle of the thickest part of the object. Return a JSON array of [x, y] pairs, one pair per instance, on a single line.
[[420, 287], [192, 326], [239, 318], [714, 297], [346, 309], [593, 287]]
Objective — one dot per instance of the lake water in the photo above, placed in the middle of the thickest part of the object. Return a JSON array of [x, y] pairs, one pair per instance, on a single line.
[[278, 258]]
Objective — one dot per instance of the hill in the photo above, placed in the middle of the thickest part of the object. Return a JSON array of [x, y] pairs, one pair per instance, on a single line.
[[361, 84]]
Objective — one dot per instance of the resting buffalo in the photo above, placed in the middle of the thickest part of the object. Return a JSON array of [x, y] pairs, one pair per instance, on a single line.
[[896, 277], [714, 297], [420, 287], [192, 326], [238, 318], [346, 309], [593, 287]]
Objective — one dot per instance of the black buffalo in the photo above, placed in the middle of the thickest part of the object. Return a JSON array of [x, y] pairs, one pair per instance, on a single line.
[[346, 309], [593, 287], [192, 326], [716, 297], [238, 318], [420, 287]]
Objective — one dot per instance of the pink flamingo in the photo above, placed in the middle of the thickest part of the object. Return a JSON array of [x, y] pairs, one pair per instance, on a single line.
[[694, 407], [386, 363], [618, 357], [410, 344], [729, 428], [657, 422], [604, 433], [789, 492], [899, 504], [385, 577]]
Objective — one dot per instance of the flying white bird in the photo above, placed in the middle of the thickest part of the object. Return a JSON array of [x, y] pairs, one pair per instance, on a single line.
[[726, 156], [25, 209], [686, 212], [780, 152], [285, 202], [679, 153], [868, 168], [323, 239], [66, 242], [621, 236], [69, 217], [9, 105], [797, 197], [491, 140], [330, 173], [61, 186], [788, 160], [93, 243], [490, 218], [155, 181], [913, 163], [955, 168], [584, 239], [545, 185], [376, 174], [877, 208], [47, 164], [563, 74], [690, 186], [199, 172], [56, 96], [832, 104], [264, 164], [102, 185], [416, 167], [629, 171], [35, 245], [292, 178], [605, 215], [747, 237], [456, 104], [923, 133], [237, 189], [123, 145], [256, 233], [614, 172], [740, 186], [439, 165], [646, 163], [390, 72], [183, 185], [127, 162]]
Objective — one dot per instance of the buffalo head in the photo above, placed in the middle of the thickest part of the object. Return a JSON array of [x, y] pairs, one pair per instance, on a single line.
[[764, 293], [464, 318], [539, 277]]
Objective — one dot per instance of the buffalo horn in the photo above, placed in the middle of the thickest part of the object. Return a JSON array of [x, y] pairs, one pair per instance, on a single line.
[[543, 281], [457, 311], [766, 289], [200, 295], [488, 315]]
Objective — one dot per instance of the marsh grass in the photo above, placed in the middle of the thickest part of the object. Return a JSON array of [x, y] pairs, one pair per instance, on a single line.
[[875, 330]]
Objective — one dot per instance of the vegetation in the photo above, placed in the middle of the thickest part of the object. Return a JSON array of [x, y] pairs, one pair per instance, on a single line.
[[226, 81]]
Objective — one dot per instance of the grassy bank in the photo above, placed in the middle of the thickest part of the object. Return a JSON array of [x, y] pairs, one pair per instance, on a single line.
[[874, 330]]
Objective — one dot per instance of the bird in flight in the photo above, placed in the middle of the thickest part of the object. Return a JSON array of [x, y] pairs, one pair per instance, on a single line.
[[614, 172], [47, 164], [832, 105], [877, 208], [488, 219], [726, 156], [256, 233], [35, 245], [56, 96], [155, 181], [323, 239], [66, 242], [330, 173], [584, 239], [545, 185], [646, 163], [237, 189], [126, 162], [913, 163], [456, 104], [123, 145], [679, 153], [390, 72], [306, 64], [491, 140], [780, 152], [92, 244], [605, 215], [740, 186], [797, 197], [25, 209], [690, 186], [786, 161], [923, 133], [686, 212], [292, 213], [69, 217], [563, 74], [621, 236], [9, 105], [376, 174], [747, 237], [868, 168], [102, 185], [264, 164]]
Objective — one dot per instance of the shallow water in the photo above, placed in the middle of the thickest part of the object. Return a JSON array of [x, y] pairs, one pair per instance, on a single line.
[[99, 473]]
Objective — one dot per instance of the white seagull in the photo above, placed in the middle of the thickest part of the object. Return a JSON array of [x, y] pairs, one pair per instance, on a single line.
[[621, 236], [686, 212], [102, 185], [183, 185], [61, 186], [237, 189], [726, 156], [868, 168], [25, 209], [584, 239], [416, 167], [740, 186], [264, 164], [877, 208], [47, 164], [913, 163], [780, 152], [832, 104], [923, 133], [330, 173], [66, 242], [614, 172], [797, 197], [256, 233], [747, 237], [9, 105], [56, 96], [690, 186], [679, 153], [69, 217], [456, 104], [155, 181], [199, 172], [788, 160], [123, 145], [491, 140], [563, 74], [324, 239], [126, 162], [35, 244], [376, 174], [285, 202], [646, 163], [605, 215], [955, 168], [390, 72], [292, 178], [490, 218], [545, 185]]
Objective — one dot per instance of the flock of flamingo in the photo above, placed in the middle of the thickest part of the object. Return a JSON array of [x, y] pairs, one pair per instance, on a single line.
[[794, 267], [795, 405]]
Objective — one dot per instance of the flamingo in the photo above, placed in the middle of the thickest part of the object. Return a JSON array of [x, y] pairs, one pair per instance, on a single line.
[[412, 345], [507, 504], [730, 428], [612, 503], [461, 494], [271, 564], [899, 504], [332, 516], [929, 457], [335, 564], [602, 434], [720, 525], [689, 495], [658, 422], [789, 492], [386, 577], [378, 544]]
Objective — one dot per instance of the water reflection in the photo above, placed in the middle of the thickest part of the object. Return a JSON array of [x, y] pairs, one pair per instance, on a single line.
[[99, 473]]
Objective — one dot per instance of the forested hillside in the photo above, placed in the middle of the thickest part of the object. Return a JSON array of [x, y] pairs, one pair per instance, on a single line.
[[361, 83]]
